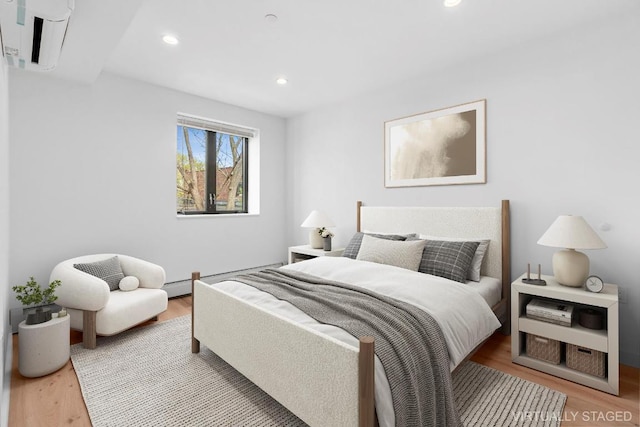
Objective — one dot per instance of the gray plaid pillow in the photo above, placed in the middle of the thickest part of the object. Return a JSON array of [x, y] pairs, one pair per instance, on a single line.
[[108, 270], [450, 260], [352, 249]]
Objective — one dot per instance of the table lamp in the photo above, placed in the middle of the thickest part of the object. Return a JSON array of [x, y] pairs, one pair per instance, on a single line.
[[316, 220], [570, 267]]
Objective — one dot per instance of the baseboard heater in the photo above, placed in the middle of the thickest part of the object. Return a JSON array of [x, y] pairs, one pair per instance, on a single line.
[[183, 287], [174, 289]]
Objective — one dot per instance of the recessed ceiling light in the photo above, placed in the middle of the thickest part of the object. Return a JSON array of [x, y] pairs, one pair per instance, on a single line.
[[169, 39], [270, 17], [281, 81], [451, 3]]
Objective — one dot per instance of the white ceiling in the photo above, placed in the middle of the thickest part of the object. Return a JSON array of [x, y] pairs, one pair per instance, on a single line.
[[329, 50]]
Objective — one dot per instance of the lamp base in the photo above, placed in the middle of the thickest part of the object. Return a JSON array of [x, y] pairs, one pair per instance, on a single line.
[[570, 268], [315, 239]]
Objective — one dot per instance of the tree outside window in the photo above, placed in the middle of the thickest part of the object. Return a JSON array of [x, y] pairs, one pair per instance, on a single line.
[[211, 171]]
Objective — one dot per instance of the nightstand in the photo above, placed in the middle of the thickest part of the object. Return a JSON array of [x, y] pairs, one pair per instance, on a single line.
[[303, 252], [605, 341]]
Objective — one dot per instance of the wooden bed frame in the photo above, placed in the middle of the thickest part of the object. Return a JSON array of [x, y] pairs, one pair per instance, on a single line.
[[323, 381]]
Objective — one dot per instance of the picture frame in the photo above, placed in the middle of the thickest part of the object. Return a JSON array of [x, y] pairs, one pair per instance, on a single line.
[[440, 147]]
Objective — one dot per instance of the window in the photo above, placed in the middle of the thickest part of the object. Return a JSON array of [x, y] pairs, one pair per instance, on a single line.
[[211, 167]]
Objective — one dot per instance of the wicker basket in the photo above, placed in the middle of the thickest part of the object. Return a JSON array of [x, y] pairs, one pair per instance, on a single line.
[[586, 360], [543, 348]]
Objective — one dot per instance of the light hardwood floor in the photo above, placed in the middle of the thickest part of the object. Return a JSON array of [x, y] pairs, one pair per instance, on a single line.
[[56, 400]]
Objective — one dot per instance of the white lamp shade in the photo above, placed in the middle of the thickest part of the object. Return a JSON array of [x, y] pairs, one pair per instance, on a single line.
[[317, 219], [573, 232]]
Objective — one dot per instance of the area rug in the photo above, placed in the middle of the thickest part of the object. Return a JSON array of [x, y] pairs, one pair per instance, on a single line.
[[149, 377]]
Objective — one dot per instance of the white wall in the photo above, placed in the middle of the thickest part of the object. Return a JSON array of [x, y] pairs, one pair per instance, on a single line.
[[562, 138], [93, 170], [5, 292]]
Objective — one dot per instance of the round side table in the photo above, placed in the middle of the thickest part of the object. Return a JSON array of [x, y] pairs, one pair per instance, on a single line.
[[44, 348]]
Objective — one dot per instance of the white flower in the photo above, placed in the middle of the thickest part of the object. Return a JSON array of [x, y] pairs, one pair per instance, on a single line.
[[324, 232]]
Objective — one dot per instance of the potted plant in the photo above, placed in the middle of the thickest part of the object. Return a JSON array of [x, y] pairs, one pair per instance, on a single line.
[[326, 238], [31, 294]]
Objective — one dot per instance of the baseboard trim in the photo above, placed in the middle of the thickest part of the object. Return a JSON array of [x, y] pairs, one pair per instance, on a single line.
[[629, 359], [6, 383], [183, 287]]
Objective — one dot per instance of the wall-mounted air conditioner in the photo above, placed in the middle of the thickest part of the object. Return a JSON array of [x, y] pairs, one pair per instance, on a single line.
[[33, 32]]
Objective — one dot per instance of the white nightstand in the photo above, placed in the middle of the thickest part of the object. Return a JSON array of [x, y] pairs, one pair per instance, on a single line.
[[603, 340], [303, 252]]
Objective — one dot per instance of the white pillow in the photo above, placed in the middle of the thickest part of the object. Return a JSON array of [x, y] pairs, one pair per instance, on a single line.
[[404, 254], [476, 263], [129, 283]]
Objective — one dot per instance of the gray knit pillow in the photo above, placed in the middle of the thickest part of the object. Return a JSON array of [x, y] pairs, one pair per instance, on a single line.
[[450, 260], [352, 249], [397, 253], [108, 270]]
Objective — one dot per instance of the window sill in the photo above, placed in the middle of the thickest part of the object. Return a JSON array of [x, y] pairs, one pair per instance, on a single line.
[[234, 215]]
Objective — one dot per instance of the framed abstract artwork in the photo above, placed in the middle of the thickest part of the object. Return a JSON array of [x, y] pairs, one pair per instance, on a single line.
[[441, 147]]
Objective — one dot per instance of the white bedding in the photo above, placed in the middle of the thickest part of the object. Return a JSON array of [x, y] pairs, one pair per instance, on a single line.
[[462, 313], [489, 288]]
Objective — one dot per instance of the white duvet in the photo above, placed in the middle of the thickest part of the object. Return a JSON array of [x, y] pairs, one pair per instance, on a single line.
[[463, 315]]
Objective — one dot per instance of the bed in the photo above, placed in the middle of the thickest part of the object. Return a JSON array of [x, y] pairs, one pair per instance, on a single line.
[[328, 379]]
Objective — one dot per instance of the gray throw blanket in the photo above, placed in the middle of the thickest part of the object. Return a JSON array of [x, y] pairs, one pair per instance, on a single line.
[[408, 341]]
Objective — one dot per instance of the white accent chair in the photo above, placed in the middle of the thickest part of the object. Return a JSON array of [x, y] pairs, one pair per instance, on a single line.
[[95, 310]]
